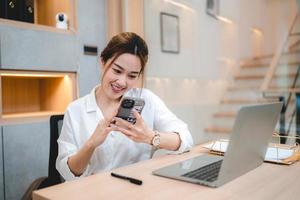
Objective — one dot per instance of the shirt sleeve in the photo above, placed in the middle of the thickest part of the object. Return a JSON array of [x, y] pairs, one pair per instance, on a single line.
[[166, 121], [66, 148]]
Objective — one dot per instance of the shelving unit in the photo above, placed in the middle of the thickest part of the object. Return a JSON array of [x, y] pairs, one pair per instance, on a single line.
[[44, 15], [27, 95]]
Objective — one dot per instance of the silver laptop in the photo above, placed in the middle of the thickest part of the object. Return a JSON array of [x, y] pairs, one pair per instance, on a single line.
[[246, 150]]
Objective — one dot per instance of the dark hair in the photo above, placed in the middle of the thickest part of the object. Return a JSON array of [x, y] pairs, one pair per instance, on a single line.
[[126, 42]]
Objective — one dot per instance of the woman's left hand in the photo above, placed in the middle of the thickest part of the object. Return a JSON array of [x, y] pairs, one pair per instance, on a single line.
[[138, 132]]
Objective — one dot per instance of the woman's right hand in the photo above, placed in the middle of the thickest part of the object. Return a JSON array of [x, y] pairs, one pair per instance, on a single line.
[[78, 162], [102, 130]]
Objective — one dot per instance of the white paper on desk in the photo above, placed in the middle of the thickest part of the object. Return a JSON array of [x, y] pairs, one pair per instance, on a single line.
[[272, 154], [220, 146]]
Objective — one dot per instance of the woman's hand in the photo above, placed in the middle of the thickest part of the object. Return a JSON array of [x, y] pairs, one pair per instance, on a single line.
[[138, 132], [79, 161], [102, 130], [100, 133]]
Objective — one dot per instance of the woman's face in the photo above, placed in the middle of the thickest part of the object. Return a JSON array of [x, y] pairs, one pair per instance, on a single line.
[[121, 76]]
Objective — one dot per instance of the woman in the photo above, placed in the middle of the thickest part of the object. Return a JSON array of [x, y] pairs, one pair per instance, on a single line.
[[94, 140]]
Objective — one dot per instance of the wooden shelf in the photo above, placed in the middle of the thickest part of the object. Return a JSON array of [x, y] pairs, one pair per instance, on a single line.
[[44, 16], [38, 27], [46, 11], [32, 94]]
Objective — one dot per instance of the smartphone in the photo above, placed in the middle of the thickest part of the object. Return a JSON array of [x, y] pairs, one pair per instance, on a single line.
[[128, 105]]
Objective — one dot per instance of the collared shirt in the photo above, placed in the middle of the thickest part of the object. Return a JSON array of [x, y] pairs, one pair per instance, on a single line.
[[82, 117]]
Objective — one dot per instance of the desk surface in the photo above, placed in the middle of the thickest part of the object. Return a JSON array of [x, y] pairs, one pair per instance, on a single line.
[[269, 181]]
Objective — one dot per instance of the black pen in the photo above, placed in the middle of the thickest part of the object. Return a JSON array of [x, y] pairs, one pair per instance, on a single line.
[[132, 180]]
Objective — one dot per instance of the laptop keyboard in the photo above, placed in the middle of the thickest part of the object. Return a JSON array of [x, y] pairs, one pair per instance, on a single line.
[[207, 173]]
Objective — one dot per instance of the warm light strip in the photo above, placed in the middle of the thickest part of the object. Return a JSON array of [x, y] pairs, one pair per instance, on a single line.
[[256, 31], [31, 75], [179, 5], [224, 19]]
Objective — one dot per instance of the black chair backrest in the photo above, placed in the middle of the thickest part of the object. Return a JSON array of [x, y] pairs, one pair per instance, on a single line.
[[55, 129]]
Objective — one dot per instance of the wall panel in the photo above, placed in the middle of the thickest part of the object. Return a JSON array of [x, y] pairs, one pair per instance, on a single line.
[[1, 167], [91, 31], [26, 154], [23, 48]]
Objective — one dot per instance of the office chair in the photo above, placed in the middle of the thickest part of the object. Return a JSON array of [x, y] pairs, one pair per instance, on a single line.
[[53, 177]]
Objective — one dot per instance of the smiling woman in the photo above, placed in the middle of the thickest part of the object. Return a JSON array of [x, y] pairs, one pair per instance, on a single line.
[[93, 139], [120, 74]]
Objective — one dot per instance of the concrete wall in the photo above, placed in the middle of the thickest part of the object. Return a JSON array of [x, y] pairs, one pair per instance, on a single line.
[[37, 49], [1, 167], [271, 17], [91, 31], [26, 155]]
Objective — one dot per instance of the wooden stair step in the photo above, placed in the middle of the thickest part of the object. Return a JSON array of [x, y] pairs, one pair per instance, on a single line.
[[215, 129], [248, 77], [279, 87], [255, 77], [295, 34], [294, 51], [257, 88], [283, 90], [260, 65], [245, 88], [295, 45], [272, 55], [246, 101]]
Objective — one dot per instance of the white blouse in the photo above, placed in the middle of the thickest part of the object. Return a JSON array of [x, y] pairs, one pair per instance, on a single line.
[[82, 117]]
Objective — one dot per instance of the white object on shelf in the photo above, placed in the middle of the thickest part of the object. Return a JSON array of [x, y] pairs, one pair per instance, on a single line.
[[61, 21]]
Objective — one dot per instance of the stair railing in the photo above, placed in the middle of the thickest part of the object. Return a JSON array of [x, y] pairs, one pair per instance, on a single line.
[[296, 111], [275, 60], [267, 82]]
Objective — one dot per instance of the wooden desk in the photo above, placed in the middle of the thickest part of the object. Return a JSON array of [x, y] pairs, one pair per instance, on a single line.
[[268, 181]]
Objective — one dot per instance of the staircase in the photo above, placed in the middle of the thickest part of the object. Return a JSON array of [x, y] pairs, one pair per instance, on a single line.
[[247, 84]]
